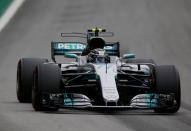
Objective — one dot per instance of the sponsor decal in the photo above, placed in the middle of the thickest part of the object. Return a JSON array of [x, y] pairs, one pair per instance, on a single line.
[[70, 46]]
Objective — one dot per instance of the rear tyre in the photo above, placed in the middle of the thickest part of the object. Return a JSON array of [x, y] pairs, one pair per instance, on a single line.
[[46, 80], [167, 81], [25, 69]]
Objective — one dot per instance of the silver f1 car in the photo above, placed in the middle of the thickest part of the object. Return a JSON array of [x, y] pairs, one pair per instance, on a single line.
[[98, 78]]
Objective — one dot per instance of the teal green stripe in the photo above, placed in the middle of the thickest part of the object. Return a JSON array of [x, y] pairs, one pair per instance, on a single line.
[[4, 5]]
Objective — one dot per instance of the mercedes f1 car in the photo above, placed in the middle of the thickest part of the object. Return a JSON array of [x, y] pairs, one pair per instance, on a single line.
[[98, 78]]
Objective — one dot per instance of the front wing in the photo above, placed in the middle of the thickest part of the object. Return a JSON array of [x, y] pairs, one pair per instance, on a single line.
[[80, 101]]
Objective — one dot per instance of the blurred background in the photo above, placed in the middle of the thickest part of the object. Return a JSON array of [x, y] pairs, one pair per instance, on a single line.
[[156, 29]]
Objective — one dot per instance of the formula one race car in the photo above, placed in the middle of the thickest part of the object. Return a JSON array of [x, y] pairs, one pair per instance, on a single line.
[[98, 78]]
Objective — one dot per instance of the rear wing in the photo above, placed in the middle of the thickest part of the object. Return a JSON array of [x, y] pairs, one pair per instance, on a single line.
[[61, 48]]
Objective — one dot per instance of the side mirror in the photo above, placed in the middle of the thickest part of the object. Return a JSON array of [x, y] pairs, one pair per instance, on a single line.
[[128, 56], [71, 56]]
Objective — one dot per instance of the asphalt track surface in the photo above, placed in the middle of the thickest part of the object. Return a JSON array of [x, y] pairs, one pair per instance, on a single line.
[[157, 29]]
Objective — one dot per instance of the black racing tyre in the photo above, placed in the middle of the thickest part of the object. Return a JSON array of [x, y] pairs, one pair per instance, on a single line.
[[46, 80], [167, 81], [25, 69]]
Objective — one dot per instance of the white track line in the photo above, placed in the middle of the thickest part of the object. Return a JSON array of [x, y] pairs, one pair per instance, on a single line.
[[9, 13]]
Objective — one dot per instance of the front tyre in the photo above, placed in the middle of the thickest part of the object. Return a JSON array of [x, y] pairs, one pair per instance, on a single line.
[[46, 80], [167, 81]]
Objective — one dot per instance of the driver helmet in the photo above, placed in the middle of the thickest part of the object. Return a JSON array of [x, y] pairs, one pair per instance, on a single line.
[[98, 56], [96, 42]]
